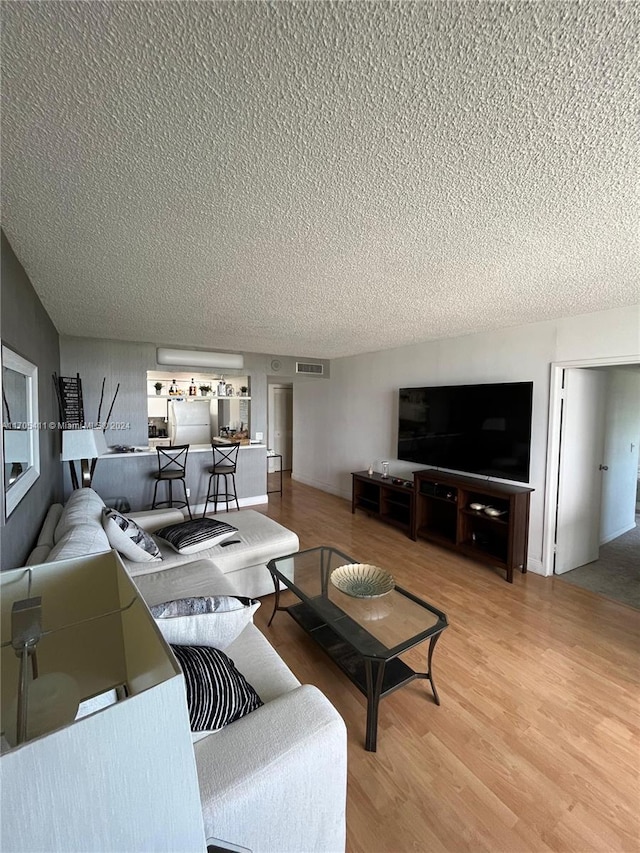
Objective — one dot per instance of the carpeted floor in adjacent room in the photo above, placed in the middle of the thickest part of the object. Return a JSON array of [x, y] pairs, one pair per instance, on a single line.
[[616, 574]]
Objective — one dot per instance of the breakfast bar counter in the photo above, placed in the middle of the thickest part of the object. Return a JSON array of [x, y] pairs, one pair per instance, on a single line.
[[129, 474], [193, 448]]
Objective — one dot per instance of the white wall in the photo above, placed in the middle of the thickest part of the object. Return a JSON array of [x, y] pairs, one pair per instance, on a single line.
[[622, 425], [346, 423]]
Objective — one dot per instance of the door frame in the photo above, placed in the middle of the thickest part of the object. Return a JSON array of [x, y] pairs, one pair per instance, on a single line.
[[280, 382], [553, 446]]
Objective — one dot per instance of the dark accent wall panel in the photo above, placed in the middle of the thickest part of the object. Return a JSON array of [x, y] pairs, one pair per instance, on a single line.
[[27, 329]]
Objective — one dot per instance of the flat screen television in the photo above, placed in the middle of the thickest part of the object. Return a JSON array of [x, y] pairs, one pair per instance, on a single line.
[[475, 429]]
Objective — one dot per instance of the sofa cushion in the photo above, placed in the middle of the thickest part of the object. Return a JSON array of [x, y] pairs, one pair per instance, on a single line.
[[127, 538], [38, 555], [261, 539], [212, 620], [49, 525], [83, 507], [217, 693], [199, 577], [189, 537], [78, 541], [261, 664]]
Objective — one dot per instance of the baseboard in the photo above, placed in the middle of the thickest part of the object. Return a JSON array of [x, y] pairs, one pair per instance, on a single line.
[[620, 532], [318, 484], [254, 500], [535, 566]]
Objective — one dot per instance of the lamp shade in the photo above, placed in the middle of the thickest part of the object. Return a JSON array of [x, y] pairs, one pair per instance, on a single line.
[[120, 778], [82, 444]]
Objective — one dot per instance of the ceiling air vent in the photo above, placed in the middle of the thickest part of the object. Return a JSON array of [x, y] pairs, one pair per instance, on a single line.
[[308, 368]]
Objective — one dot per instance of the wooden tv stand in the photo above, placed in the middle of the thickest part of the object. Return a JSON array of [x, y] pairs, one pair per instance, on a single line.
[[438, 509], [380, 496], [442, 514]]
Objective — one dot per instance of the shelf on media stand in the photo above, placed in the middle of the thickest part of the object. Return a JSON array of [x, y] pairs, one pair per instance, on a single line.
[[379, 496], [444, 516]]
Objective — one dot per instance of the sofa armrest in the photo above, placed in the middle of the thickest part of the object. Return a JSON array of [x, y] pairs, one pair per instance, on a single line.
[[154, 519], [277, 778]]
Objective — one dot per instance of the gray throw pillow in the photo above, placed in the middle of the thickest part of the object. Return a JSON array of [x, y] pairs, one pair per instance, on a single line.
[[213, 620], [189, 537], [131, 541]]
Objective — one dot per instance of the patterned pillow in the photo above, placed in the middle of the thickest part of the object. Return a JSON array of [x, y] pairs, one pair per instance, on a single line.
[[189, 537], [217, 693], [128, 539], [214, 620]]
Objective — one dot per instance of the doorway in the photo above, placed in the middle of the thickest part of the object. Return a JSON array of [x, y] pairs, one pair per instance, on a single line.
[[280, 422], [586, 497]]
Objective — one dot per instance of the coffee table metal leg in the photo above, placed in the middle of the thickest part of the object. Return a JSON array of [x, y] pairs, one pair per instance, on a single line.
[[374, 670], [325, 562], [277, 599], [432, 645]]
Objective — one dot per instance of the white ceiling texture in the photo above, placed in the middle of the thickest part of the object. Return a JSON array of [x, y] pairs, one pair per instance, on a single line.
[[321, 178]]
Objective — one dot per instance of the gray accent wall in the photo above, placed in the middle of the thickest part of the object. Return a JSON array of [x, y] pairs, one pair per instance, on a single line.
[[123, 366], [27, 329]]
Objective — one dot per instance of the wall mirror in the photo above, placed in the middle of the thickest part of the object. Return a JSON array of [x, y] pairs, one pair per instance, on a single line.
[[20, 434]]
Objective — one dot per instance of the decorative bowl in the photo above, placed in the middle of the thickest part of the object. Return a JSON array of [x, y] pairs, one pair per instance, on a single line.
[[362, 580], [492, 511], [477, 507]]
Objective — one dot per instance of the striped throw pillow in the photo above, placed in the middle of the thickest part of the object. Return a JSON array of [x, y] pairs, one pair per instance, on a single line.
[[217, 693], [189, 537]]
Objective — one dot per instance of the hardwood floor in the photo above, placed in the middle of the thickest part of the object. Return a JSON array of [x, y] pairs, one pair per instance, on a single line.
[[536, 745]]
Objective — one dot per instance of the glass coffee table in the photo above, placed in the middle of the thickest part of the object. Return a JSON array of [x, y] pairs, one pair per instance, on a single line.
[[363, 636]]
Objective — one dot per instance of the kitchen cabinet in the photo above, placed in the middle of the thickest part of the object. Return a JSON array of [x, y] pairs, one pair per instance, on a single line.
[[159, 442]]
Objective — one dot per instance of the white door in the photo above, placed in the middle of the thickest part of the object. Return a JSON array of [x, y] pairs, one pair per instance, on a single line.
[[282, 415], [581, 468]]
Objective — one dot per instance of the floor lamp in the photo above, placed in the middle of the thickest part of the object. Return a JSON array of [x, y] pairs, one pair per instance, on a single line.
[[86, 445]]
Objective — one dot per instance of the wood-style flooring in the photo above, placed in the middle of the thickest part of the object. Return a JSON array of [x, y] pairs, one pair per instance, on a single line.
[[536, 745]]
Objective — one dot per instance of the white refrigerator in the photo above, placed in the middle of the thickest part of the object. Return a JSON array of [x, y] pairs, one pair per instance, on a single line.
[[189, 422]]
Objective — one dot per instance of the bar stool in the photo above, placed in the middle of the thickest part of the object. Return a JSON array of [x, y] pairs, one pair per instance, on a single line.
[[225, 462], [172, 465]]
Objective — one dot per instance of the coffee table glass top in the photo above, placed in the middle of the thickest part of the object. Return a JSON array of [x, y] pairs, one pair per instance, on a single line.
[[376, 627]]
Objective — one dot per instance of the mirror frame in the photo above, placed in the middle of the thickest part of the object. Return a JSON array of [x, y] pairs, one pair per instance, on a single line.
[[14, 494]]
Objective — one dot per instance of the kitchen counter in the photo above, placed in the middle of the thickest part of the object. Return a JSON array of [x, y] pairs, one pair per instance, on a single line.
[[130, 475], [151, 451]]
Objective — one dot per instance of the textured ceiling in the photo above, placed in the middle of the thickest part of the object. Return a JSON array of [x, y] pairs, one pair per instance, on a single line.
[[320, 178]]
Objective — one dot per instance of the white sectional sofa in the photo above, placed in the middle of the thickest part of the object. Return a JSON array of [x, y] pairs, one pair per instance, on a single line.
[[76, 529], [275, 780]]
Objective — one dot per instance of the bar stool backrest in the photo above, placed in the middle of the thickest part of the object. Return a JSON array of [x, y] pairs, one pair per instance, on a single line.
[[172, 459], [225, 455]]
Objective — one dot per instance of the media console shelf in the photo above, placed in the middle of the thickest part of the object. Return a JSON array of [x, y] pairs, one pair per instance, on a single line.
[[380, 496], [443, 515]]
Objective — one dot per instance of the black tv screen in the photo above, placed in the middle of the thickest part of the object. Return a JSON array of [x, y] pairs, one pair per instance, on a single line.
[[476, 429]]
